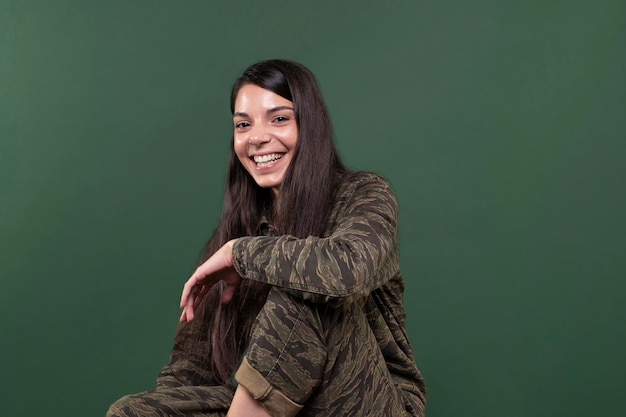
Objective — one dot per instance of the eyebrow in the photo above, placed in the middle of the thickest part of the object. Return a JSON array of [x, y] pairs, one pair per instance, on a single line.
[[270, 111]]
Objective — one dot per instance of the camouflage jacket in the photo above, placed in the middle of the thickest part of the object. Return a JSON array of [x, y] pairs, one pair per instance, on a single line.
[[355, 261]]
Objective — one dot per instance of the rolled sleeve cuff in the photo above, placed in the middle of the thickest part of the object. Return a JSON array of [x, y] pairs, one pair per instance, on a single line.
[[274, 401]]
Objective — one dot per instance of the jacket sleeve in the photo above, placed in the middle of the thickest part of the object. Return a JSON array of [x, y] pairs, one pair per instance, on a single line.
[[359, 255]]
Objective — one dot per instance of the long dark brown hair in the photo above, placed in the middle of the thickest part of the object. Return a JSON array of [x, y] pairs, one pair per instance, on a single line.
[[301, 208]]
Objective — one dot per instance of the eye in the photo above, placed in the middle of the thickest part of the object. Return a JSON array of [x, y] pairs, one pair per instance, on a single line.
[[241, 125], [281, 119]]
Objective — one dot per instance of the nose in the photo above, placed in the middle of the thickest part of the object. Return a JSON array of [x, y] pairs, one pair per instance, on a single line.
[[258, 139]]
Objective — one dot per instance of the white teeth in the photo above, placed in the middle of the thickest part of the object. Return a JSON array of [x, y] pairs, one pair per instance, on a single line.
[[267, 159]]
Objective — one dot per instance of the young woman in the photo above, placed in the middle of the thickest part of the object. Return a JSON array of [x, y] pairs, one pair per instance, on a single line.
[[296, 306]]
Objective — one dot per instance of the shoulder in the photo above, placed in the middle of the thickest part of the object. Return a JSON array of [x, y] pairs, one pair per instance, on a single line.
[[365, 190], [363, 181], [363, 197]]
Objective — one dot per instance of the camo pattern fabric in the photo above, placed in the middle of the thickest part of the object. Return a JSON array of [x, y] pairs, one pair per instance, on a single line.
[[187, 401], [331, 338]]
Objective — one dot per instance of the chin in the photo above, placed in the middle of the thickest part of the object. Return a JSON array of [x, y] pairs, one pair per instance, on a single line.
[[269, 184]]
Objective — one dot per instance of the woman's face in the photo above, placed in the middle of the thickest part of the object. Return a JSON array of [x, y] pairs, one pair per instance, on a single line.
[[265, 134]]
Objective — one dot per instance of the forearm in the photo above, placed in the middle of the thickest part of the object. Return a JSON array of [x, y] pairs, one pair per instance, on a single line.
[[359, 255]]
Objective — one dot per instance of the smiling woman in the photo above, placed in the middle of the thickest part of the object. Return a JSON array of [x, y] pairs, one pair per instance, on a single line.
[[265, 134], [296, 306]]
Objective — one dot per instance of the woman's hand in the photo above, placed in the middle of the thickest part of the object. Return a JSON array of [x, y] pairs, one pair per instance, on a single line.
[[218, 267]]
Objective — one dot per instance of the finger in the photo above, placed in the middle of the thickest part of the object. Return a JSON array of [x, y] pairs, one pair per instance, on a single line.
[[185, 295], [200, 296], [228, 293], [189, 306], [186, 315], [187, 290]]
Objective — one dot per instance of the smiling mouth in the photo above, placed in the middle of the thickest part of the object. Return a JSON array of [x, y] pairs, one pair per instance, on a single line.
[[264, 160]]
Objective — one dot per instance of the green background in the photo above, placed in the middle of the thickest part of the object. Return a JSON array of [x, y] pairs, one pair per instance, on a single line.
[[500, 124]]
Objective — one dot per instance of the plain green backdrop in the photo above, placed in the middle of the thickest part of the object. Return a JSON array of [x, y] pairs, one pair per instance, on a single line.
[[500, 125]]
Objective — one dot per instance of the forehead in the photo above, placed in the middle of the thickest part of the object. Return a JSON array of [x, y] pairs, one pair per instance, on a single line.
[[251, 97]]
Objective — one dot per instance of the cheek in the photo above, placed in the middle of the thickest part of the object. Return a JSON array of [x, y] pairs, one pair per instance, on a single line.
[[240, 147], [290, 139]]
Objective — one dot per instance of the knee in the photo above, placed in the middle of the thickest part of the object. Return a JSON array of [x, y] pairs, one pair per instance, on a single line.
[[135, 405], [121, 408], [283, 313]]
